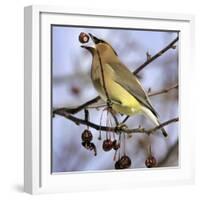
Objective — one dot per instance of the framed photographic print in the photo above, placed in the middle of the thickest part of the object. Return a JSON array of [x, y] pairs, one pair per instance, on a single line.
[[106, 102]]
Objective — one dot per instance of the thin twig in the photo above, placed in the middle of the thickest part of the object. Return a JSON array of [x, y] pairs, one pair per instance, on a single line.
[[163, 90], [148, 61], [77, 109], [149, 131], [125, 119], [163, 124], [114, 117]]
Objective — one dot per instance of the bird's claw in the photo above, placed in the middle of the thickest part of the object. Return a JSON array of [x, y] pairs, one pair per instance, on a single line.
[[109, 103], [120, 126]]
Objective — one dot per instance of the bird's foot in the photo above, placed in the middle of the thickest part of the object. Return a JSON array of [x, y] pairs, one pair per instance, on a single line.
[[109, 103], [120, 127]]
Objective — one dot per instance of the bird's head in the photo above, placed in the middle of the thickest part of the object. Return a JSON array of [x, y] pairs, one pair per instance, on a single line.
[[101, 46]]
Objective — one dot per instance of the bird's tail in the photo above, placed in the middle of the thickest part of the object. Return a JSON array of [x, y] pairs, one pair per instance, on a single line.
[[154, 119]]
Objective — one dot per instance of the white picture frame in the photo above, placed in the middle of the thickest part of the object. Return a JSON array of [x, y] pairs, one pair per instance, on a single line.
[[37, 143]]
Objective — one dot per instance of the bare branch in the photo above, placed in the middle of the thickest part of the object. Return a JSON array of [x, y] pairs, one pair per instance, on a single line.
[[163, 90], [77, 109], [79, 121], [151, 59], [150, 131], [163, 124]]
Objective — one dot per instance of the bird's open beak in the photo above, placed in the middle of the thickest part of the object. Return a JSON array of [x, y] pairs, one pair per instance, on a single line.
[[95, 40], [90, 49]]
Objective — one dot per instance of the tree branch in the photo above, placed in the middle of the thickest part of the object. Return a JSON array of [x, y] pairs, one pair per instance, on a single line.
[[79, 121], [151, 59], [163, 90], [77, 109]]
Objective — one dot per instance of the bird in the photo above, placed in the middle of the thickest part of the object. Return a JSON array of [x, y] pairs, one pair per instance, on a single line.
[[116, 84]]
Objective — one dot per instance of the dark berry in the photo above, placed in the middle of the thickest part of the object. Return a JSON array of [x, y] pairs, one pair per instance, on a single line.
[[150, 162], [115, 145], [107, 145], [125, 162], [83, 37], [86, 145], [117, 165], [86, 135]]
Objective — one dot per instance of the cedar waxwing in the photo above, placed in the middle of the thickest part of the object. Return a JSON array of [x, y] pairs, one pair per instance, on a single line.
[[116, 83]]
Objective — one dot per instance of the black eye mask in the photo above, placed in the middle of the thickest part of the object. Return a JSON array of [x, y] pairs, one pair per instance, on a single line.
[[97, 41]]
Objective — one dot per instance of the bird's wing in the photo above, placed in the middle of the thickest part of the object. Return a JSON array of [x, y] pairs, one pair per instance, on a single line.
[[124, 77]]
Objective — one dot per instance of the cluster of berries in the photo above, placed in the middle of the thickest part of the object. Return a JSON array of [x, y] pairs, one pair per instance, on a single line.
[[124, 161]]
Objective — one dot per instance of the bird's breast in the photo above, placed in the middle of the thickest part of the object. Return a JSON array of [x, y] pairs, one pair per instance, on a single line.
[[99, 78]]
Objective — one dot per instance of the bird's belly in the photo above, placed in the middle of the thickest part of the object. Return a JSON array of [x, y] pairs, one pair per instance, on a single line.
[[122, 101], [125, 109]]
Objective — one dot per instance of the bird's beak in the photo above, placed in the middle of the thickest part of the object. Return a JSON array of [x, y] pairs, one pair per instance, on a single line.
[[90, 49], [94, 39]]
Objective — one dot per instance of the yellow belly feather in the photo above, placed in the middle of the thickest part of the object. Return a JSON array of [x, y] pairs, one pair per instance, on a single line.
[[123, 101], [129, 104]]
